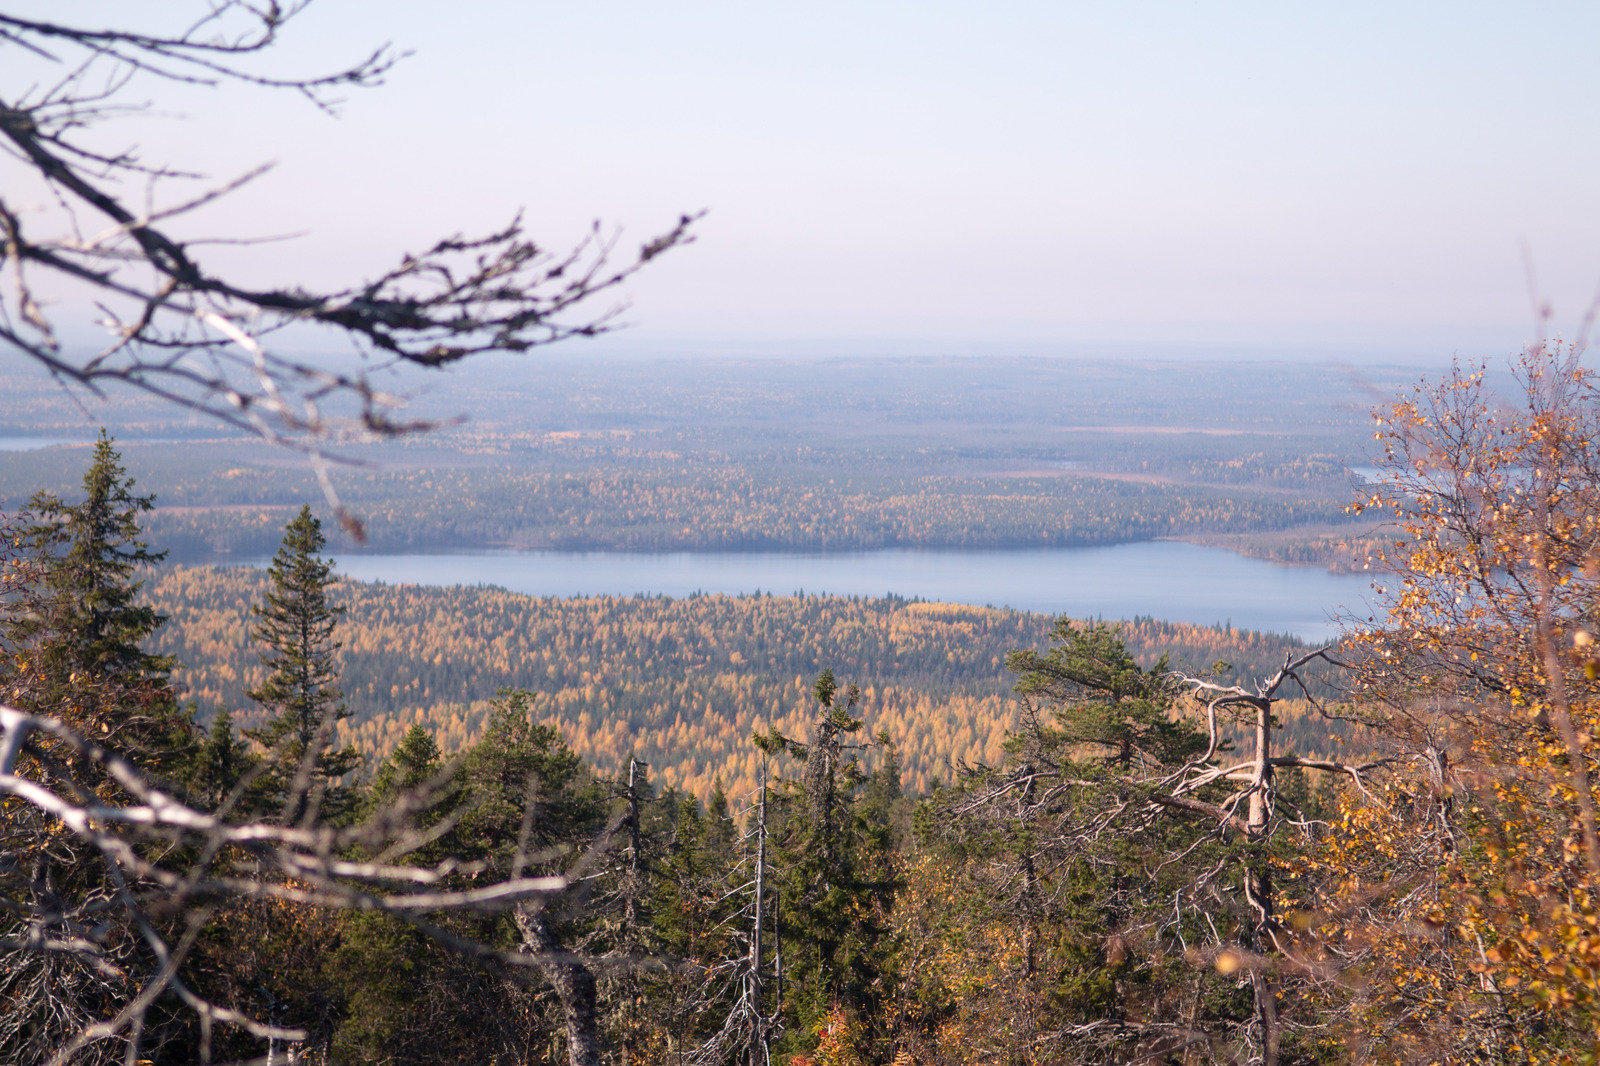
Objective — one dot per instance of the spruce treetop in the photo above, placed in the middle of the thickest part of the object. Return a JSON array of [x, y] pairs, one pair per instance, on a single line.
[[296, 624], [75, 641], [89, 552]]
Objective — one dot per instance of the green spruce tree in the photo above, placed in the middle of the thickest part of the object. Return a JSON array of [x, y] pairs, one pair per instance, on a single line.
[[222, 764], [76, 651], [72, 641], [296, 623], [527, 805], [382, 967], [414, 762], [415, 789], [837, 882]]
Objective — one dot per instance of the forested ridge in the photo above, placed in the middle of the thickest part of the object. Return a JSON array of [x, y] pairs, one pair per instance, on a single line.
[[269, 817], [678, 683]]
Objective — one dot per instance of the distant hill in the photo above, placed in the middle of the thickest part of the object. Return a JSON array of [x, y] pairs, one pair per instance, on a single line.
[[679, 683]]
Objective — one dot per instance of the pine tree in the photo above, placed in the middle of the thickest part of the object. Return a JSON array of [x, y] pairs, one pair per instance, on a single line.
[[296, 623], [1103, 699], [1073, 902]]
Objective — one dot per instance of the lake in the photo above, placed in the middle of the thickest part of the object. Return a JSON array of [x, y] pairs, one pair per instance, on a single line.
[[1167, 579], [28, 444]]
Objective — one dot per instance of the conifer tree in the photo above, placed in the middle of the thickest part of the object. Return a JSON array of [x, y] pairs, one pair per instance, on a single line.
[[223, 762], [838, 882], [72, 640], [296, 623], [720, 832], [1103, 699], [1120, 839], [382, 964], [77, 651], [418, 789], [415, 760]]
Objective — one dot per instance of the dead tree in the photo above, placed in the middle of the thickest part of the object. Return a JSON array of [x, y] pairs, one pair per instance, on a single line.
[[760, 1024], [763, 983], [745, 990], [184, 333], [1253, 786], [573, 980], [1122, 760]]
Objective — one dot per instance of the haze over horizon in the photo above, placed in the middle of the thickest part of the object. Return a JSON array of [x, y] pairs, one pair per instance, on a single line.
[[1186, 182]]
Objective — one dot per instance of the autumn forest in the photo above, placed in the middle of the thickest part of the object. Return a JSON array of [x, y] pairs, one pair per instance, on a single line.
[[372, 823], [712, 534]]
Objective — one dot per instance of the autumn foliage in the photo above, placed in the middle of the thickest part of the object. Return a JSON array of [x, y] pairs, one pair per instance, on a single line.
[[679, 683], [1468, 884], [1146, 856]]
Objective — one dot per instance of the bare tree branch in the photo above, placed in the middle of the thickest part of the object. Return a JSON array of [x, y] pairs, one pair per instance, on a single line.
[[187, 335], [159, 855]]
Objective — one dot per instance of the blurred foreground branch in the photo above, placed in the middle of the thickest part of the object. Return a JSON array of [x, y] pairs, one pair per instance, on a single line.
[[189, 335], [150, 870]]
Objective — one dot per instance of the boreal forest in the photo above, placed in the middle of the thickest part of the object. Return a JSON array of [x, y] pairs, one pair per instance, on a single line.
[[792, 455], [261, 814], [1033, 283]]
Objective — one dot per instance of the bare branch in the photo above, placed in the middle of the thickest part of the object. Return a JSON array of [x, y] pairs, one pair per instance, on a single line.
[[189, 336]]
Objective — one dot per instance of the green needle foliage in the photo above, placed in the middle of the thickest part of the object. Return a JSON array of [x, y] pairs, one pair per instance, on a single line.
[[414, 763], [1104, 701], [77, 651], [296, 623], [223, 764], [838, 881], [72, 639]]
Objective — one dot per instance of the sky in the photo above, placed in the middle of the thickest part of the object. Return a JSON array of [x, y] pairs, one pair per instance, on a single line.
[[1219, 178]]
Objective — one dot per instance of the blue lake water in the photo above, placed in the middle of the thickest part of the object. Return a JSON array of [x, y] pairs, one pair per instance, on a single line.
[[1166, 579], [28, 444]]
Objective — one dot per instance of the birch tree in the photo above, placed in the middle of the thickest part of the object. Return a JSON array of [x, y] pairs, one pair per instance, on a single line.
[[1484, 668]]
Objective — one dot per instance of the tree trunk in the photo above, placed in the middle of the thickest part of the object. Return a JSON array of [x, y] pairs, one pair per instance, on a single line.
[[574, 985], [1258, 886], [758, 1021], [630, 914]]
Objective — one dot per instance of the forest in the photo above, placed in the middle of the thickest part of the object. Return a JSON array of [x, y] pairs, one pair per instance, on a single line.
[[679, 684], [709, 507], [252, 813], [255, 814], [706, 455]]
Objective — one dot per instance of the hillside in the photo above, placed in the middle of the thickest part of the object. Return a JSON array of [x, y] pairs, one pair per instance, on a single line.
[[679, 683]]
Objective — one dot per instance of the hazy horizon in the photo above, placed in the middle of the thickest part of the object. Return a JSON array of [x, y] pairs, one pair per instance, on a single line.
[[1357, 184]]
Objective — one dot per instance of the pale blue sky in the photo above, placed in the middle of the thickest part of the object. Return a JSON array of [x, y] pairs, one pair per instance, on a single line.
[[1354, 174]]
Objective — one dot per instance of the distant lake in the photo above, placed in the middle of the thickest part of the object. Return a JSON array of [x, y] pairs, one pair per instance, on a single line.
[[1167, 579], [28, 444]]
